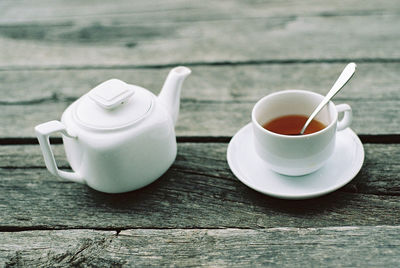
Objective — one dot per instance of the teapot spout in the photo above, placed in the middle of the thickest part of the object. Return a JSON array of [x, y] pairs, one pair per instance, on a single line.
[[171, 91]]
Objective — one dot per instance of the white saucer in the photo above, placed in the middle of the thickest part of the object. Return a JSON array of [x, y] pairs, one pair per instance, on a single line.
[[250, 169]]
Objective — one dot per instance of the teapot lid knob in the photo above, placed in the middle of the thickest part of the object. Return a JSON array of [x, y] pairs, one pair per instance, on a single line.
[[111, 93], [112, 105]]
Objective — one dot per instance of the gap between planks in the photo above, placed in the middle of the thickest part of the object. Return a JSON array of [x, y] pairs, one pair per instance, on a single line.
[[194, 64], [372, 139], [13, 229]]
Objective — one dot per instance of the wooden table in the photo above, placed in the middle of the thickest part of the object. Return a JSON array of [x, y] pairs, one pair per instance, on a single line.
[[198, 213]]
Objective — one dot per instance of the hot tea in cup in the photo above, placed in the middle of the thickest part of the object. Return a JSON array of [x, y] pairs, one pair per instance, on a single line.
[[292, 124], [276, 140]]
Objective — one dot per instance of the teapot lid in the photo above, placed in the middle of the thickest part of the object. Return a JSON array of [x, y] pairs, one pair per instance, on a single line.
[[113, 104]]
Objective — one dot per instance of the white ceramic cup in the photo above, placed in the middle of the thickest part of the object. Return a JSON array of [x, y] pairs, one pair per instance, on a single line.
[[303, 154]]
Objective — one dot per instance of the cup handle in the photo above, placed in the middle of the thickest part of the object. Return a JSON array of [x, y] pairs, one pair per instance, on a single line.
[[347, 117], [43, 131]]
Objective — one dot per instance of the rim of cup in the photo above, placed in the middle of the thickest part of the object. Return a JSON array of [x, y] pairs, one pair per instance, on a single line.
[[260, 127]]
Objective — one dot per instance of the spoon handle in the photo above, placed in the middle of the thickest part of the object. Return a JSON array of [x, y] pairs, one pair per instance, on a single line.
[[340, 82]]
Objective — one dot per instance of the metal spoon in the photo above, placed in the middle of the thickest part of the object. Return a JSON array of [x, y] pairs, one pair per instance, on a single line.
[[340, 82]]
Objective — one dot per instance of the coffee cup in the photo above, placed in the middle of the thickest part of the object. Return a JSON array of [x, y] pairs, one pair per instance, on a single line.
[[297, 155]]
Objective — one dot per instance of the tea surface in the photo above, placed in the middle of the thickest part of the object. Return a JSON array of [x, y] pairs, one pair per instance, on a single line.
[[292, 124]]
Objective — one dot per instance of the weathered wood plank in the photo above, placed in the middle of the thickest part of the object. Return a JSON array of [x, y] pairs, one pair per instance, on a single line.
[[183, 10], [207, 118], [226, 92], [209, 159], [377, 246], [240, 83], [199, 191], [69, 248], [58, 35]]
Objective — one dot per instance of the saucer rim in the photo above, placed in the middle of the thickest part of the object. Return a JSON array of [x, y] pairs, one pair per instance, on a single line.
[[360, 156]]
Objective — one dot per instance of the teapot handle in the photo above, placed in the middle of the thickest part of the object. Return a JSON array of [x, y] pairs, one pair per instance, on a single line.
[[43, 131]]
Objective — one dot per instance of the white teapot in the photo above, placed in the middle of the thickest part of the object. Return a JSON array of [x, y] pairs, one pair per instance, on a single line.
[[118, 137]]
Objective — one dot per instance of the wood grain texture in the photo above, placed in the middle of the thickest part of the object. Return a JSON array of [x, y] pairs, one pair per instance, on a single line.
[[209, 159], [226, 83], [232, 247], [70, 248], [208, 119], [212, 96], [184, 10], [159, 33], [199, 191]]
